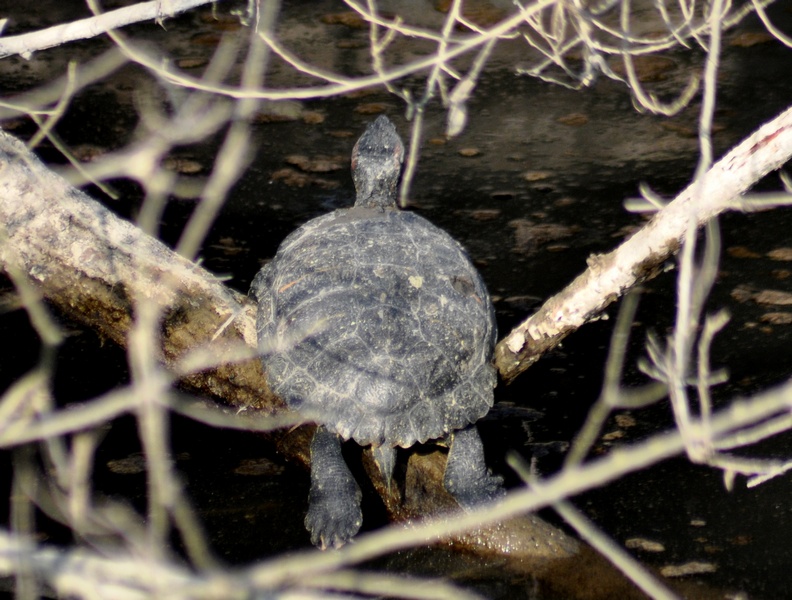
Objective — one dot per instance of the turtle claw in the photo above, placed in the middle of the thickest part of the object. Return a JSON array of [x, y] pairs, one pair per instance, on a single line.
[[331, 528]]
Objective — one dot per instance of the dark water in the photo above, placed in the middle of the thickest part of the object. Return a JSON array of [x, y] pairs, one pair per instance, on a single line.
[[252, 502]]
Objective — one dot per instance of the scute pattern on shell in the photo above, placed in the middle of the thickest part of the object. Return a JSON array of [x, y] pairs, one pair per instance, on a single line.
[[378, 327]]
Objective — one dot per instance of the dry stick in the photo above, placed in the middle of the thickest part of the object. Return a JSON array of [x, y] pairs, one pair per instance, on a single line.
[[27, 43], [639, 258], [83, 570], [338, 84]]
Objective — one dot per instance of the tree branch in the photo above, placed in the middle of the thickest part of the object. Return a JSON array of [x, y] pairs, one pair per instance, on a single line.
[[640, 257], [27, 43]]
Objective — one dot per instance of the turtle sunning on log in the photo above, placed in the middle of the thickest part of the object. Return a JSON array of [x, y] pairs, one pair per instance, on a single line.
[[375, 323]]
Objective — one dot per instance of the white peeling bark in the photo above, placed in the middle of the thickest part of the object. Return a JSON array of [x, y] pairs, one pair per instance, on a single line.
[[27, 43], [610, 275], [94, 266]]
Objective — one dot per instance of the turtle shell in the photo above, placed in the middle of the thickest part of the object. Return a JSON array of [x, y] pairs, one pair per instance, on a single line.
[[375, 324]]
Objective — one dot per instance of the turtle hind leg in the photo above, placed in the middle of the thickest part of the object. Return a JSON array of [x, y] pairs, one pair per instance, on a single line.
[[334, 514], [466, 477]]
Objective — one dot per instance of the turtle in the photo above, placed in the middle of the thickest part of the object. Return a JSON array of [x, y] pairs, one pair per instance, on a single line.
[[375, 324]]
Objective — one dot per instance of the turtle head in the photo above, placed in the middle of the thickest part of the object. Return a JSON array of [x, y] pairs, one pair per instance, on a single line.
[[376, 165]]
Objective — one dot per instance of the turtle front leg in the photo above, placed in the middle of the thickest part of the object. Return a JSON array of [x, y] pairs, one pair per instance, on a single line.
[[334, 514], [466, 477]]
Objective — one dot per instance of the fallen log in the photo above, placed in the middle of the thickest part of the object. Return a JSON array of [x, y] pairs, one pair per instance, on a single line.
[[95, 267]]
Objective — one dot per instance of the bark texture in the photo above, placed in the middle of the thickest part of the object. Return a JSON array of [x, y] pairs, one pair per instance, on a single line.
[[95, 267], [640, 257]]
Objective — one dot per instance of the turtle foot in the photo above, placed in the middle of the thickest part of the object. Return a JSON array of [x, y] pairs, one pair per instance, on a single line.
[[334, 514], [333, 519], [466, 477], [475, 491]]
